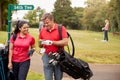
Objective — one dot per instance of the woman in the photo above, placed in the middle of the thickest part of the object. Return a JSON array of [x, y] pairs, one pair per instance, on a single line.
[[106, 30], [21, 44]]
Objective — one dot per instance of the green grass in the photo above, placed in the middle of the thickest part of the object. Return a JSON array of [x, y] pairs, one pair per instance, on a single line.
[[34, 76], [3, 37], [88, 46]]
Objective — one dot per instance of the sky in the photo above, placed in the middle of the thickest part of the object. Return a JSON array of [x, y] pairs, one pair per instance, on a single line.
[[48, 5]]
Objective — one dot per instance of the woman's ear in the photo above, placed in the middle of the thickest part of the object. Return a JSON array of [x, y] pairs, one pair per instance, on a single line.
[[20, 29]]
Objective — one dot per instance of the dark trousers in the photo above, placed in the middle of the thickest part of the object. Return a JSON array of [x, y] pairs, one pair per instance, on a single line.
[[20, 69], [106, 35]]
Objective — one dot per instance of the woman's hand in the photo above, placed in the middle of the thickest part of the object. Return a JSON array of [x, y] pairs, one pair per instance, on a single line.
[[10, 65], [103, 28]]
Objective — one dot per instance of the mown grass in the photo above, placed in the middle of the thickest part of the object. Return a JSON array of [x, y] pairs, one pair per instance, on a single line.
[[34, 76], [88, 46]]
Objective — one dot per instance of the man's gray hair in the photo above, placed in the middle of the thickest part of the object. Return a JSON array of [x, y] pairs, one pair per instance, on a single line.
[[47, 15]]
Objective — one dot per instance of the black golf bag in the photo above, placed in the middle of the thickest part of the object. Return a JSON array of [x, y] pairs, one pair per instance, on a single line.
[[74, 67], [3, 63]]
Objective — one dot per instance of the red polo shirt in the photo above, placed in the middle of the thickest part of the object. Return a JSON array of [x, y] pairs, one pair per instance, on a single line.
[[21, 47], [53, 36]]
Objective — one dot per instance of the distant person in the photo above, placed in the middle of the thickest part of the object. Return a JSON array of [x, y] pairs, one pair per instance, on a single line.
[[22, 45], [50, 41], [41, 24], [105, 29]]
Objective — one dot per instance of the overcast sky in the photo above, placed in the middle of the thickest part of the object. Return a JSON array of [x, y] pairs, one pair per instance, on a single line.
[[48, 5]]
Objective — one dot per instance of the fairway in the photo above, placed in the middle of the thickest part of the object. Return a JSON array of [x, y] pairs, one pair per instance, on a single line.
[[88, 46]]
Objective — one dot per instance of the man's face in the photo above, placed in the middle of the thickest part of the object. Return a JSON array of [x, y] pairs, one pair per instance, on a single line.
[[48, 23]]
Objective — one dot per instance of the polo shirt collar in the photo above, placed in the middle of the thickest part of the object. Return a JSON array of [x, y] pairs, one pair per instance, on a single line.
[[55, 27], [20, 36]]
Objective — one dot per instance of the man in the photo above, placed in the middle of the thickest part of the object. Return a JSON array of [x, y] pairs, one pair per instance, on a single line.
[[50, 42]]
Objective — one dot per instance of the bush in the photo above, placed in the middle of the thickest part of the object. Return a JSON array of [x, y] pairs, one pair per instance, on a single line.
[[34, 25]]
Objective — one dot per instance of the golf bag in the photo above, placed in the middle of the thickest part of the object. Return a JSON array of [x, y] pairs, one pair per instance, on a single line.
[[3, 63], [74, 67], [5, 73]]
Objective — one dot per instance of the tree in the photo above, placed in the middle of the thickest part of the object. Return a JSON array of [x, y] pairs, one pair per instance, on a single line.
[[4, 12], [32, 17], [78, 17], [63, 13], [94, 15], [114, 15]]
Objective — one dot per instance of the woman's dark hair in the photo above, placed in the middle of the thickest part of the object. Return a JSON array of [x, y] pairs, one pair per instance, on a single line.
[[19, 24]]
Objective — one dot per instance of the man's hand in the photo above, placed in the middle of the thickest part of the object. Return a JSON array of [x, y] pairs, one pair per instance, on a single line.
[[47, 42]]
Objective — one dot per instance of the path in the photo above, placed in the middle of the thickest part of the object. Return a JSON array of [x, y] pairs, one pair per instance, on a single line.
[[101, 71]]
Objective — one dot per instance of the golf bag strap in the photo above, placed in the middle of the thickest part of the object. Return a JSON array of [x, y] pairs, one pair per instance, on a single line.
[[60, 33]]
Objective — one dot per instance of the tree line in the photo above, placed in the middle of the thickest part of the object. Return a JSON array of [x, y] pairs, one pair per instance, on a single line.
[[91, 17]]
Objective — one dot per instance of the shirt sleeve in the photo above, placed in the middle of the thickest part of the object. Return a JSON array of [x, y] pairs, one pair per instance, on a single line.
[[11, 39], [32, 41], [40, 33]]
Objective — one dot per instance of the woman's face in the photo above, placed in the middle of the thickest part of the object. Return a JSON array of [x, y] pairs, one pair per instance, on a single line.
[[106, 21], [24, 28]]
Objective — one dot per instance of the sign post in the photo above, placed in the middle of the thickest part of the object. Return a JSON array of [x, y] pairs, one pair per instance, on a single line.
[[12, 7]]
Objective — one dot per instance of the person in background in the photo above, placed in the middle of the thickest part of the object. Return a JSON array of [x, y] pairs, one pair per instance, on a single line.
[[22, 45], [50, 43], [105, 29], [41, 25]]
